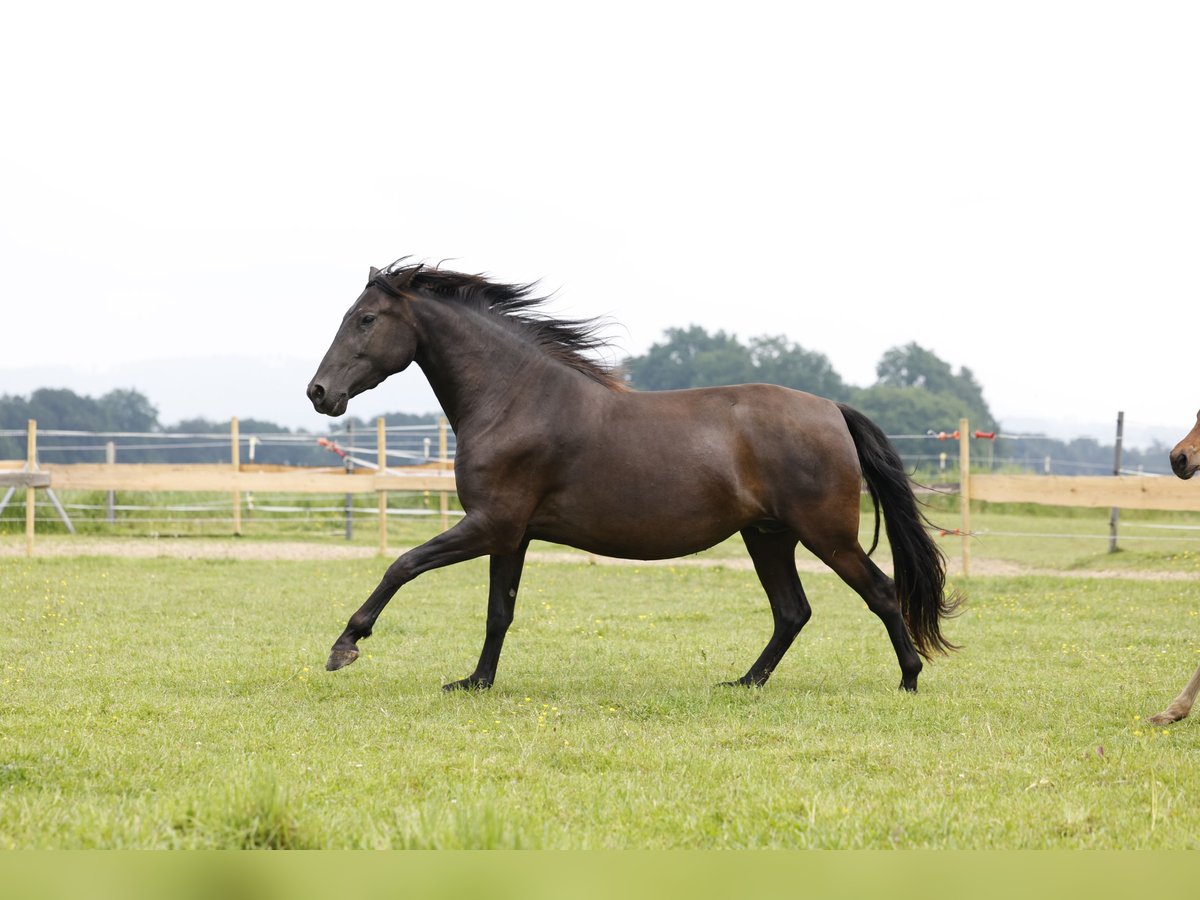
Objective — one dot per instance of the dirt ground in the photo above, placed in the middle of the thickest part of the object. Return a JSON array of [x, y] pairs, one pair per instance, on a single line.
[[233, 548]]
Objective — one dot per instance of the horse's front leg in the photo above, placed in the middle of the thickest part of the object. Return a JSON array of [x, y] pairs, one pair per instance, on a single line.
[[466, 540], [502, 600], [1181, 705]]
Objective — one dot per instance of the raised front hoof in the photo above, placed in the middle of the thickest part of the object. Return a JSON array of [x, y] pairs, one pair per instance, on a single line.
[[1167, 716], [467, 684], [340, 657]]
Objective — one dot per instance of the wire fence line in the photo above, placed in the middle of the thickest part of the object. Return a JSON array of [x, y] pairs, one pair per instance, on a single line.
[[416, 444], [340, 450], [932, 456], [407, 444]]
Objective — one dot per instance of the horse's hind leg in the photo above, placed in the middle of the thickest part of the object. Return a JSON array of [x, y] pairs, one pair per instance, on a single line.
[[775, 562], [1181, 705], [855, 568]]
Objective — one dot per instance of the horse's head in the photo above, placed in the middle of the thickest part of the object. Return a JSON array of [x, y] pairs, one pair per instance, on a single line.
[[1185, 458], [377, 338]]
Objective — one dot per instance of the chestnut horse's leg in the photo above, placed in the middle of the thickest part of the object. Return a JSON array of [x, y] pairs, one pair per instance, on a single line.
[[502, 599], [466, 540], [1181, 705], [774, 556]]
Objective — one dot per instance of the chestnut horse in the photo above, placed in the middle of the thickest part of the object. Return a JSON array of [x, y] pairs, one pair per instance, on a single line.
[[1185, 460], [553, 446]]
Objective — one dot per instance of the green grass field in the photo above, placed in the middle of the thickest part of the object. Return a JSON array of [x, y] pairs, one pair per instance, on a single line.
[[171, 703]]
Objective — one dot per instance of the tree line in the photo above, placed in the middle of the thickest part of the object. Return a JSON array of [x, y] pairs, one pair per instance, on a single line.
[[131, 412], [915, 392]]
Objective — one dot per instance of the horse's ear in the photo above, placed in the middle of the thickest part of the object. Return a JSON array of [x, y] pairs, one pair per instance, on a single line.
[[374, 273], [411, 274]]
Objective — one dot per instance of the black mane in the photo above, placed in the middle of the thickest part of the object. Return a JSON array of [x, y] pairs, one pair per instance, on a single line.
[[566, 340]]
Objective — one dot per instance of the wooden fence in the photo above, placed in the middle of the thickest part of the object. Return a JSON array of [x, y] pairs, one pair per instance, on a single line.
[[1123, 492], [234, 478], [1113, 491]]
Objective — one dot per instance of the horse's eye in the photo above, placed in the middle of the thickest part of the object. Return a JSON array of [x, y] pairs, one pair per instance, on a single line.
[[366, 320]]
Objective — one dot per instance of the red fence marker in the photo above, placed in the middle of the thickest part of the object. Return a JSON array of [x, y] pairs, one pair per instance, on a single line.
[[331, 447]]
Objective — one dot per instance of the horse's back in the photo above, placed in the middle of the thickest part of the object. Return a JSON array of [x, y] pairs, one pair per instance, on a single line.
[[763, 419]]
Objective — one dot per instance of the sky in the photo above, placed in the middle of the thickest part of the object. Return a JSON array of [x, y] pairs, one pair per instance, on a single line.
[[191, 195]]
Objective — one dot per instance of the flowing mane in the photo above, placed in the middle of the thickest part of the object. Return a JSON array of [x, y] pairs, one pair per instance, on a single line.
[[569, 341]]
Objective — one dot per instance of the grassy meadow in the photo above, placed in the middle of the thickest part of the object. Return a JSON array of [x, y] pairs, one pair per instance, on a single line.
[[182, 703]]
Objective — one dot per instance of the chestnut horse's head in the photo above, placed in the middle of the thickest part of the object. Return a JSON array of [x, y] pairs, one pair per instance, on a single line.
[[1185, 458], [377, 338]]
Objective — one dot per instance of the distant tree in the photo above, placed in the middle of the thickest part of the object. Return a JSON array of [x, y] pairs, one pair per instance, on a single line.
[[63, 409], [14, 415], [14, 411], [778, 361], [690, 357], [912, 367], [128, 410], [59, 408], [911, 410]]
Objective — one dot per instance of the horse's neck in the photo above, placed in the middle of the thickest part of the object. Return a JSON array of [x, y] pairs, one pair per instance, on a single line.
[[477, 366]]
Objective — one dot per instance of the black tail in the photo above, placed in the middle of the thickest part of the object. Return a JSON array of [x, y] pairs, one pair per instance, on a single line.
[[920, 566]]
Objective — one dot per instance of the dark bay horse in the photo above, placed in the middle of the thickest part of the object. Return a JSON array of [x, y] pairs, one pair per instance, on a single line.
[[1185, 461], [553, 446]]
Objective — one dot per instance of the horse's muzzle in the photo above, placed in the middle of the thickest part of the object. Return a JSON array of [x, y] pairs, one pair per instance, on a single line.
[[325, 403], [1181, 465]]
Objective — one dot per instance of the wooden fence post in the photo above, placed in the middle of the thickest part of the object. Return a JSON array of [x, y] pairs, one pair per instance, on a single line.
[[1115, 513], [30, 492], [381, 447], [110, 458], [964, 463], [443, 458], [348, 462], [236, 456]]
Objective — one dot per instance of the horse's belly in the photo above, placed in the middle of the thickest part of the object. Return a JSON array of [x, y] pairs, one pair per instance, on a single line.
[[632, 546], [637, 525]]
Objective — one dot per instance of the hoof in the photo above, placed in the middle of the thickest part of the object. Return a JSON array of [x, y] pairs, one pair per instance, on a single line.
[[1166, 717], [742, 682], [467, 684], [340, 657], [909, 686]]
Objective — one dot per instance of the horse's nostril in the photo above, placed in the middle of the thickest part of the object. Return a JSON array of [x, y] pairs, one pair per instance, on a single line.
[[316, 393]]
